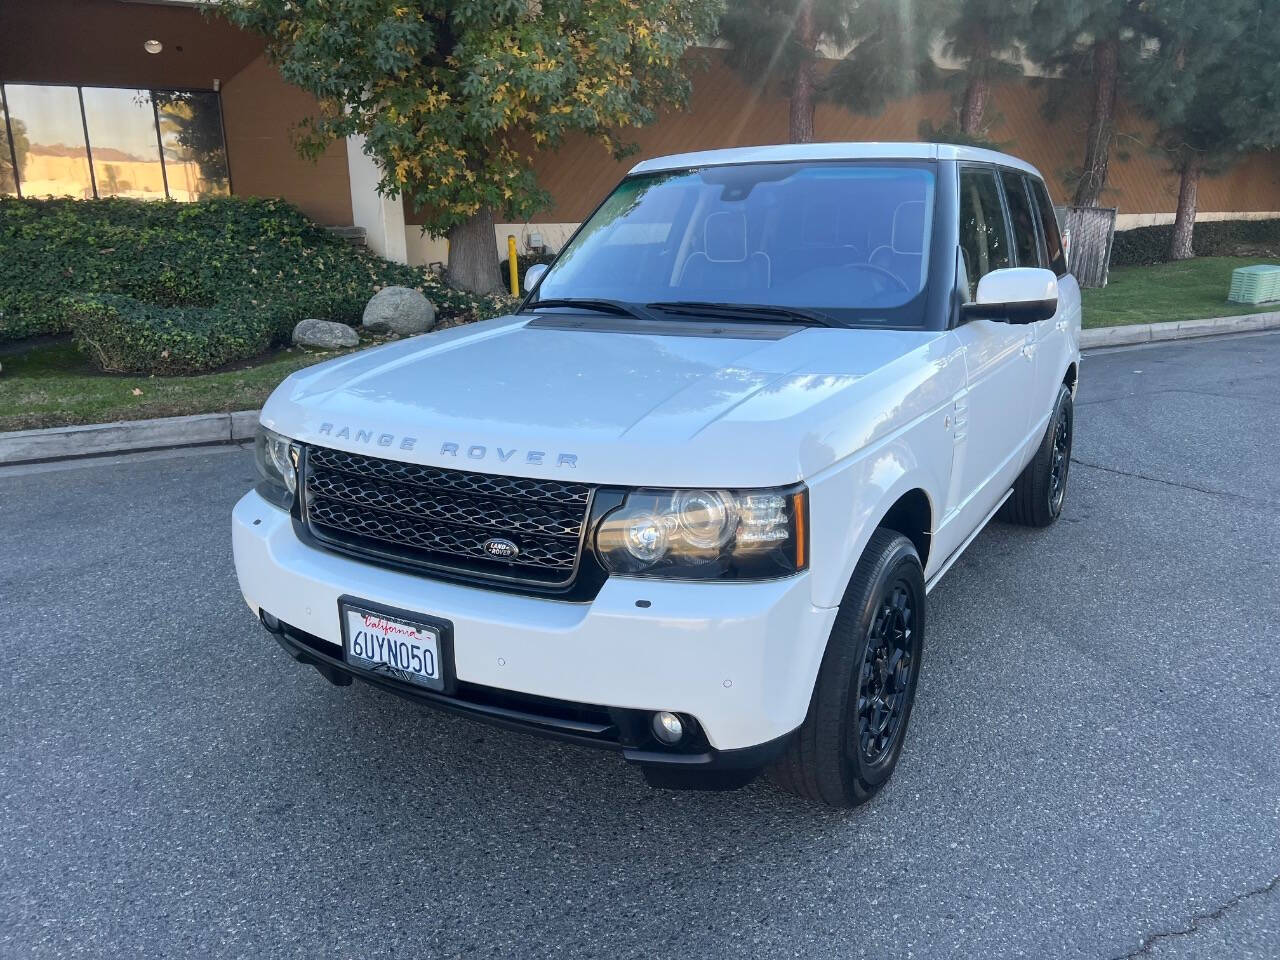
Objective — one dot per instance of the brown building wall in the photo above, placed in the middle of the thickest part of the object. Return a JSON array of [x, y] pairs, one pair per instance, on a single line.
[[725, 112], [259, 111], [99, 43]]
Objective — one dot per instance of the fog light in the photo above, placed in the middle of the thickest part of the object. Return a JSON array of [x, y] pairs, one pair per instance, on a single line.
[[667, 727]]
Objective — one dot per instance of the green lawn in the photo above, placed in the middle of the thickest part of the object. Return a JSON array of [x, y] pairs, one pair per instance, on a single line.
[[1189, 290], [53, 386]]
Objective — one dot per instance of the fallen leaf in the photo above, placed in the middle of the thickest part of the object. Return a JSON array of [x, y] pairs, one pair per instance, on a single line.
[[136, 392]]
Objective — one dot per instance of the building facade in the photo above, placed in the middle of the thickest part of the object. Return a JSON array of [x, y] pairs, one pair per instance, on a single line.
[[162, 98]]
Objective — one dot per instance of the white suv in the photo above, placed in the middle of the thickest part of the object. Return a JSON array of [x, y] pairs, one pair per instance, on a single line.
[[687, 501]]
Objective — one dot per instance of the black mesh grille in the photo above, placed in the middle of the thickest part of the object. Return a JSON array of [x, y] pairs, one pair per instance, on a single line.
[[405, 512]]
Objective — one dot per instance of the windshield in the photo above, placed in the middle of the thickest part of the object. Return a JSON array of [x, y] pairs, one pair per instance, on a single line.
[[848, 241]]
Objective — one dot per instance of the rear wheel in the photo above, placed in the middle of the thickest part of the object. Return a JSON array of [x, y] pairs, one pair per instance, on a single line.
[[1041, 489], [851, 739]]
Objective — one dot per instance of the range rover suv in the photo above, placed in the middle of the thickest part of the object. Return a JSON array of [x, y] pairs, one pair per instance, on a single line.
[[687, 501]]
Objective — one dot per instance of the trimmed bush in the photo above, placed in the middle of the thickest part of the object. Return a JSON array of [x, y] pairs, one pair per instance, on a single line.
[[1213, 238], [123, 335], [257, 259]]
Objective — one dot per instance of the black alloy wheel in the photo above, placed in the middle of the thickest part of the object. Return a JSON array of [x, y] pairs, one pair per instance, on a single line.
[[886, 675]]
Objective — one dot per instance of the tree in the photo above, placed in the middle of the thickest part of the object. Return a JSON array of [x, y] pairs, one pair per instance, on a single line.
[[451, 96], [1091, 46], [982, 36], [884, 46], [1212, 88], [21, 145]]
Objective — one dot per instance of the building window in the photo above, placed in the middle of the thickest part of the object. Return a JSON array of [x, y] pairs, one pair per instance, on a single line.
[[191, 133], [48, 141], [125, 148], [90, 142]]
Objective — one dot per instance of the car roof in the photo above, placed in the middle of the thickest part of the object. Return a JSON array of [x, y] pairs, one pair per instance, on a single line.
[[800, 152]]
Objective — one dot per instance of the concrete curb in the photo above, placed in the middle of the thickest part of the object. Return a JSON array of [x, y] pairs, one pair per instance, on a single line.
[[128, 436], [60, 443], [1177, 330]]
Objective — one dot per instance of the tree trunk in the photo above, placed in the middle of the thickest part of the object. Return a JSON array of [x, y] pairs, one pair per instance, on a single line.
[[802, 92], [976, 93], [1097, 150], [1185, 221], [473, 255]]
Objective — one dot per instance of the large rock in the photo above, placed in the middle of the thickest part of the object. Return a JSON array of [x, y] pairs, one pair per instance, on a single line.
[[324, 335], [399, 310]]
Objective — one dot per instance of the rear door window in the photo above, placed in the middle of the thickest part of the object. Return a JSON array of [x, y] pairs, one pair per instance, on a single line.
[[1057, 260], [1025, 242], [984, 237]]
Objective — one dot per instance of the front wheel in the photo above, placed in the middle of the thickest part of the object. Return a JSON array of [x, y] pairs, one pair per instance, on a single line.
[[851, 739], [1041, 489]]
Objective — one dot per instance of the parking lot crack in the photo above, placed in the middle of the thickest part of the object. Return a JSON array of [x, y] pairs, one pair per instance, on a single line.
[[1199, 921], [1174, 483]]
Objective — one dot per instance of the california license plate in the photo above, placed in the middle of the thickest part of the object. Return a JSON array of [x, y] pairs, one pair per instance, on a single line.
[[405, 649]]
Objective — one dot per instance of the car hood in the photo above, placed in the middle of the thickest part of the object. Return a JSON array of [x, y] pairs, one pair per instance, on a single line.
[[609, 402]]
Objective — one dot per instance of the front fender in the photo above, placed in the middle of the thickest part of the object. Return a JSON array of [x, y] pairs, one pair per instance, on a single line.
[[848, 501]]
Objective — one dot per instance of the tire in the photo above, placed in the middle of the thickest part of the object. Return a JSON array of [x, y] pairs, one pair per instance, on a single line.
[[838, 757], [1041, 489]]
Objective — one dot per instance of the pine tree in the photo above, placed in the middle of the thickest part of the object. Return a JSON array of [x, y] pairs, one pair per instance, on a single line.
[[1091, 46], [1212, 88], [881, 49], [982, 36]]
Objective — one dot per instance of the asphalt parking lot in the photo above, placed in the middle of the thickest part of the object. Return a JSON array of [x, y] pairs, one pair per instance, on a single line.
[[1093, 768]]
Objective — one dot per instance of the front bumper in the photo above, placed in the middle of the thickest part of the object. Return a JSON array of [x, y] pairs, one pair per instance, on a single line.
[[739, 657]]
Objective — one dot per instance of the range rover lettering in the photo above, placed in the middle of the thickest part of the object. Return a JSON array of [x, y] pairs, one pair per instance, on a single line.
[[794, 382]]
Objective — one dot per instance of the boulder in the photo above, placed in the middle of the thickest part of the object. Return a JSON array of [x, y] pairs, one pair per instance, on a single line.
[[324, 335], [399, 310]]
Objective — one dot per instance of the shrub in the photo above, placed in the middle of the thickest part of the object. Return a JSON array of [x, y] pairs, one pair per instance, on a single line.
[[123, 335], [255, 258], [1213, 238]]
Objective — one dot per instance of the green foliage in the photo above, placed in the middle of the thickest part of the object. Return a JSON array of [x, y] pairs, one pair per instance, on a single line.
[[1212, 86], [1214, 238], [247, 260], [122, 335], [451, 96], [886, 44]]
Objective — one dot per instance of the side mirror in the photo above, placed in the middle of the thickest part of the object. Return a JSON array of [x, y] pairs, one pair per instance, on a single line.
[[533, 275], [1015, 295]]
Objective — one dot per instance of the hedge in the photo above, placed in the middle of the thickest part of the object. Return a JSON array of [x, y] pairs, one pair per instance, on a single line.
[[243, 270], [1213, 238], [123, 335]]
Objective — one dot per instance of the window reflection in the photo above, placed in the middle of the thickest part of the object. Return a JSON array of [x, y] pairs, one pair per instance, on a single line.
[[122, 138], [146, 144], [194, 157], [55, 163], [8, 175]]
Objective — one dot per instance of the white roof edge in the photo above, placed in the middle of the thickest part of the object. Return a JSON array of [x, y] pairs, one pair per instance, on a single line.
[[852, 150]]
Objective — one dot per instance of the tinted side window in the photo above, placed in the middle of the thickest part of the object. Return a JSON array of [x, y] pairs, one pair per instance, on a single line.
[[984, 241], [1049, 220], [1025, 242]]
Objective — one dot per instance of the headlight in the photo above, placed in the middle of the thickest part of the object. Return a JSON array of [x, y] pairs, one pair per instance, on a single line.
[[707, 534], [277, 459]]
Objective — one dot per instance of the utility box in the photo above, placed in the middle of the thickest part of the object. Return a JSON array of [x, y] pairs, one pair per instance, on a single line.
[[1256, 284]]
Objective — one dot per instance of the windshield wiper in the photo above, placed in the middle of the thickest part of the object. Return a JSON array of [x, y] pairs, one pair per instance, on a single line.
[[617, 307], [757, 312]]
